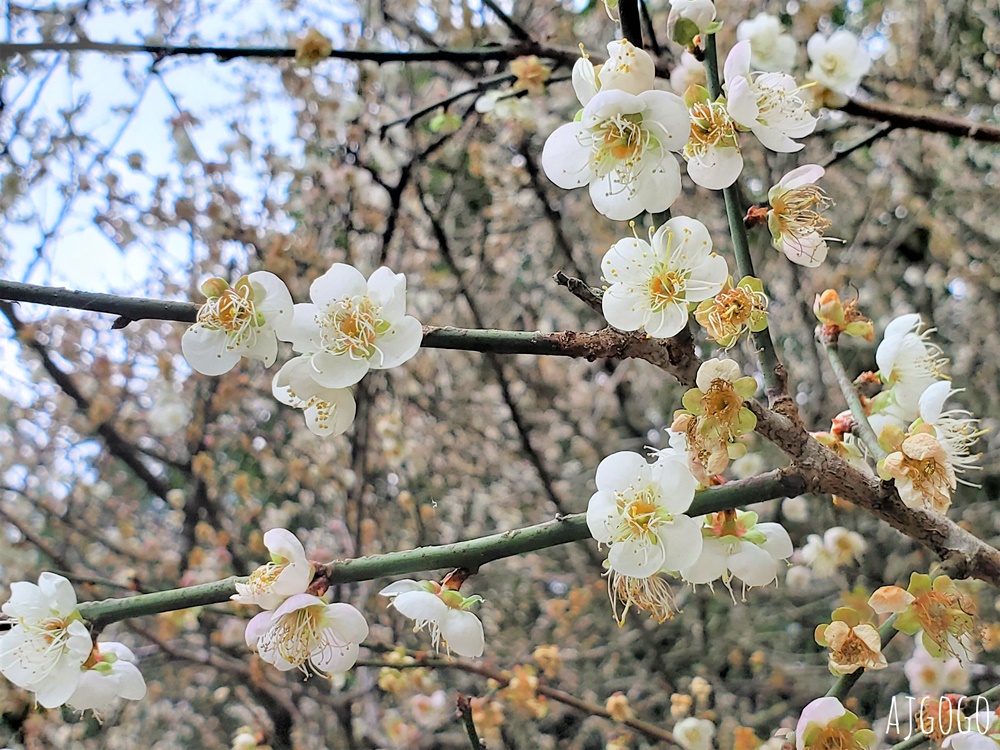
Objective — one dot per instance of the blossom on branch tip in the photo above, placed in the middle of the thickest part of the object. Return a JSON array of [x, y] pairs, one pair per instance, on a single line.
[[639, 511], [826, 725], [694, 734], [237, 321], [837, 548], [652, 283], [956, 429], [49, 643], [445, 612], [531, 74], [840, 318], [328, 411], [795, 224], [109, 673], [766, 104], [733, 311], [620, 146], [735, 545], [307, 634], [772, 49], [353, 325], [288, 573]]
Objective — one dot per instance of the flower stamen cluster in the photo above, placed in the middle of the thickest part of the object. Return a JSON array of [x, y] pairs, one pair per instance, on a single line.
[[945, 614], [734, 311]]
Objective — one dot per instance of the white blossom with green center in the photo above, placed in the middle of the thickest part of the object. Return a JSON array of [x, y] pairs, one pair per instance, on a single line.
[[653, 283], [620, 146], [353, 325], [639, 511]]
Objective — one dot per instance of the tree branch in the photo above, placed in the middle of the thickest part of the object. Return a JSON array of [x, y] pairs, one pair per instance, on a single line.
[[901, 117], [471, 554], [775, 375]]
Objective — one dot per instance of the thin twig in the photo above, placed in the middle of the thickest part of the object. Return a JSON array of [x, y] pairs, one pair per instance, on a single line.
[[775, 375], [862, 426], [465, 712], [901, 117]]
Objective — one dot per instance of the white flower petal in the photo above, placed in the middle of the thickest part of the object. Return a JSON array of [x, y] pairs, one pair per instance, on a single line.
[[753, 565], [778, 544], [399, 344], [420, 606], [338, 370], [463, 632], [564, 160], [682, 543], [602, 516], [637, 557], [339, 282], [668, 322], [207, 350], [621, 470], [710, 565]]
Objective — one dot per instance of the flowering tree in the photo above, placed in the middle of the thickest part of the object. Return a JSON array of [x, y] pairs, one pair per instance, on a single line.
[[420, 557]]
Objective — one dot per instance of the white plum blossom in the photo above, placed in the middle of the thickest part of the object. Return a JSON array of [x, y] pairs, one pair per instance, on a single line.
[[796, 226], [837, 548], [353, 325], [690, 71], [627, 69], [48, 644], [113, 675], [766, 104], [444, 612], [839, 61], [621, 147], [288, 573], [653, 283], [773, 50], [713, 156], [908, 363], [237, 321], [736, 545], [690, 18], [929, 675], [328, 411], [825, 724], [980, 732], [639, 511], [694, 734], [956, 429], [307, 634]]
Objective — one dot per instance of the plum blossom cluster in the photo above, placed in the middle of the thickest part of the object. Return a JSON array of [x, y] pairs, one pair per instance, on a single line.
[[350, 326], [927, 445], [49, 650], [298, 629]]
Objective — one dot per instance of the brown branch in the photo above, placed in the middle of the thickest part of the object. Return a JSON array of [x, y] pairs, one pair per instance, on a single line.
[[902, 117]]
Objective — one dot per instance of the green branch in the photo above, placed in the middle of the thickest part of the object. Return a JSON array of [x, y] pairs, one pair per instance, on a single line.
[[469, 554], [771, 367], [862, 425]]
